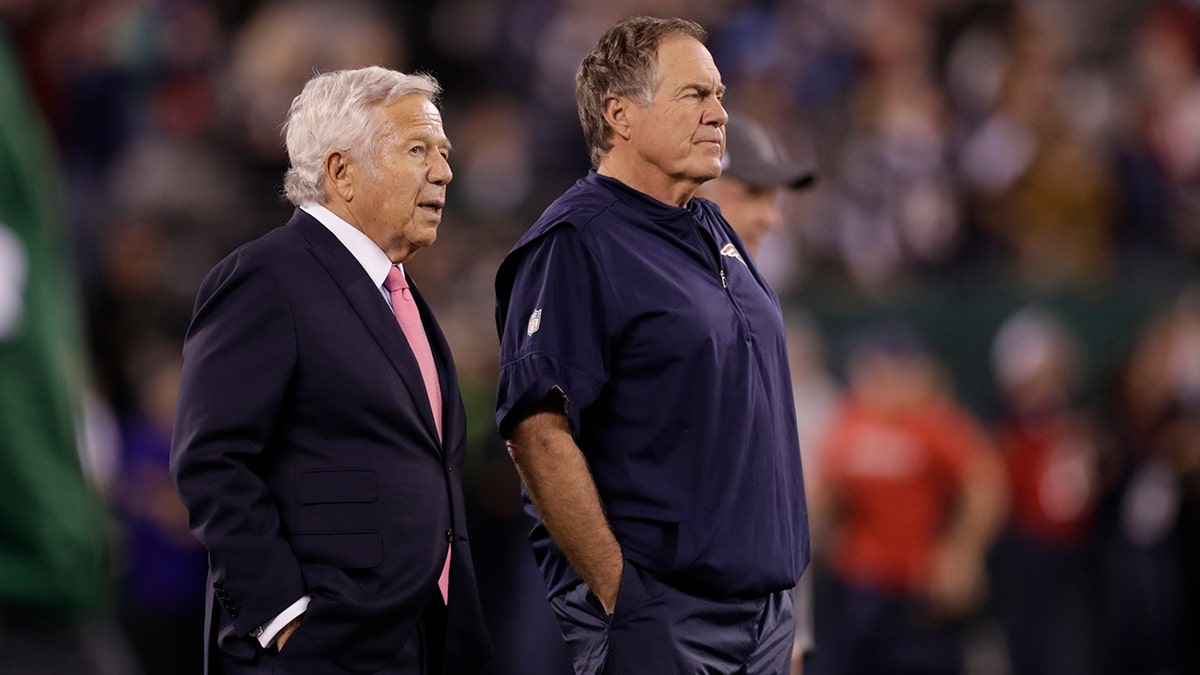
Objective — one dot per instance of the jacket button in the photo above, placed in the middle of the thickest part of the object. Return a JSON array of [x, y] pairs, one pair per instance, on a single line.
[[450, 535]]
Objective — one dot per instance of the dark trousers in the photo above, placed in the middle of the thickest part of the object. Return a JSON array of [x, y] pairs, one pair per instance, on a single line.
[[659, 630], [1041, 597], [863, 630]]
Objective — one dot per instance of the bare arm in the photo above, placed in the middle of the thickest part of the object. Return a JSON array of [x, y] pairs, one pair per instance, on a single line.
[[561, 488], [804, 639], [959, 569]]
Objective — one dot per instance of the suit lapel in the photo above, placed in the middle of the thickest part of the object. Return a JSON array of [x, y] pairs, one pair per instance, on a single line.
[[368, 303]]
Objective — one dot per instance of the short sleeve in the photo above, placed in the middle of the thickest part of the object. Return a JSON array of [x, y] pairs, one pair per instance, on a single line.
[[552, 321]]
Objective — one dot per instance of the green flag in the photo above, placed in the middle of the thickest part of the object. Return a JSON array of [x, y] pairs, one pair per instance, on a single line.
[[53, 532]]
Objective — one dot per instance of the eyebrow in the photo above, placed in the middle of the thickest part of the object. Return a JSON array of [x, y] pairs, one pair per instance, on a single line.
[[702, 89], [428, 139]]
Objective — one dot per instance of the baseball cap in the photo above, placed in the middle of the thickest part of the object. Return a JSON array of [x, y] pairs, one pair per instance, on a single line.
[[753, 157]]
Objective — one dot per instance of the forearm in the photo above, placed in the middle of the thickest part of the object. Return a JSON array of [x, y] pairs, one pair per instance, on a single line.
[[982, 508], [958, 582], [559, 484]]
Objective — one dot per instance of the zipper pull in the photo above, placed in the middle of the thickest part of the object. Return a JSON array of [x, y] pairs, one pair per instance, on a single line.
[[724, 284]]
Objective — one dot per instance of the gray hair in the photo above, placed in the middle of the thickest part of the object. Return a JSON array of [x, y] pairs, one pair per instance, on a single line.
[[623, 63], [335, 112]]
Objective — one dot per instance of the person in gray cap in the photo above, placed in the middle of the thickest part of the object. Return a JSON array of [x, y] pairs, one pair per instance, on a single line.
[[754, 173]]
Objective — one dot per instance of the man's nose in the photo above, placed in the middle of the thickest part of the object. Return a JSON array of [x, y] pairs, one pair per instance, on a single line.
[[716, 115], [440, 172]]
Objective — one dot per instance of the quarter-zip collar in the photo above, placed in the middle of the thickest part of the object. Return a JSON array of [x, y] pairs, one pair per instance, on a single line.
[[659, 212]]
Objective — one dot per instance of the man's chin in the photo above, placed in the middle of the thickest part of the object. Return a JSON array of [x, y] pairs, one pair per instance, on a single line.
[[705, 176], [709, 171], [428, 237]]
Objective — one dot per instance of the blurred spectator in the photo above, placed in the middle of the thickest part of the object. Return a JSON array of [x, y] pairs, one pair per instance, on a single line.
[[896, 206], [280, 47], [1161, 134], [817, 397], [909, 498], [1051, 447], [1151, 517], [164, 571], [1040, 181], [54, 557]]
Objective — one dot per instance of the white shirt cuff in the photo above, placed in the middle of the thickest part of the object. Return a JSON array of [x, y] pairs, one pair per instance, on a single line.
[[268, 631]]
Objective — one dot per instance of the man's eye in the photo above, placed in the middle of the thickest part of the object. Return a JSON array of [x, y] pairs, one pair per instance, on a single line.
[[417, 150]]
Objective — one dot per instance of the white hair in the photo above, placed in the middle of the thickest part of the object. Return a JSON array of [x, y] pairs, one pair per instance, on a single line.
[[335, 112]]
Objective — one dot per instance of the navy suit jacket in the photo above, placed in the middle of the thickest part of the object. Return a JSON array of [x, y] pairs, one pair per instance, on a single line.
[[306, 453]]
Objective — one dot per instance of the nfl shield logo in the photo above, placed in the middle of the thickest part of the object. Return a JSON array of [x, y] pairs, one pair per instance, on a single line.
[[535, 322]]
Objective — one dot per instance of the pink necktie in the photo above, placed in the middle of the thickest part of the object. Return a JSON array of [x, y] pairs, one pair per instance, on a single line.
[[410, 322]]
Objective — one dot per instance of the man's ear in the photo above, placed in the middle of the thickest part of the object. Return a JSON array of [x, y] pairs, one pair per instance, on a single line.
[[338, 175], [618, 112]]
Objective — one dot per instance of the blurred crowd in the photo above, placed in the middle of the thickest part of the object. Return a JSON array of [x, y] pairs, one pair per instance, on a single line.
[[996, 261]]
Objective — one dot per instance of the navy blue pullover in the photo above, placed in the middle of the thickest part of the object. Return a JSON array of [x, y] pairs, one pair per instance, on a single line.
[[669, 348]]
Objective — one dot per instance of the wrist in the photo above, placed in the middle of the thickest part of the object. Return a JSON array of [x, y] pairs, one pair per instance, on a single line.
[[609, 587]]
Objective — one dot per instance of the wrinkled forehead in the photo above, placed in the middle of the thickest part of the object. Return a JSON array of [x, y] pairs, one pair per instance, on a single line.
[[682, 59], [414, 117]]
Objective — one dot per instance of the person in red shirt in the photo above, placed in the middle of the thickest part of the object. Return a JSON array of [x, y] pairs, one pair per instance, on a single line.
[[909, 499], [1051, 448]]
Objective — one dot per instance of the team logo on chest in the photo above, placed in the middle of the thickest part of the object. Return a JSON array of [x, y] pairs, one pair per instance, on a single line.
[[535, 322], [731, 251]]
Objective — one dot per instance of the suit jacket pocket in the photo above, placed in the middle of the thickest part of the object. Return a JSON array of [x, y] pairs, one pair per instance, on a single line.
[[347, 550], [336, 523], [340, 500]]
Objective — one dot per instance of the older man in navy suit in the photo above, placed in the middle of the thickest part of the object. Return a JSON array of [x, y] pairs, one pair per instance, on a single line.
[[320, 427]]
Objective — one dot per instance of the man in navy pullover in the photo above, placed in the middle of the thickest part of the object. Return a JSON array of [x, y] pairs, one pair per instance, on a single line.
[[644, 386]]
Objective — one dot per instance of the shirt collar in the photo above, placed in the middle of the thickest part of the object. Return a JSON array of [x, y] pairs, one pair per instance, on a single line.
[[368, 254]]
